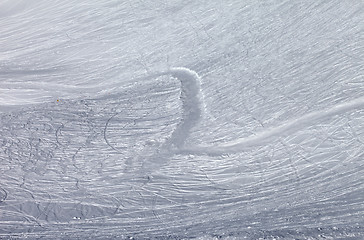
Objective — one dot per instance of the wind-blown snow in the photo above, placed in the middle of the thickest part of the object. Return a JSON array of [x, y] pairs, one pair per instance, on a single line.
[[259, 135]]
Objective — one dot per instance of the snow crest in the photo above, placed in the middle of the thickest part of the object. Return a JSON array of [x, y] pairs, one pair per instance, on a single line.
[[192, 104]]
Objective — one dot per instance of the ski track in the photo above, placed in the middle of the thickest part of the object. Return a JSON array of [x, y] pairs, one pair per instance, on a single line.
[[115, 157], [194, 106], [144, 193]]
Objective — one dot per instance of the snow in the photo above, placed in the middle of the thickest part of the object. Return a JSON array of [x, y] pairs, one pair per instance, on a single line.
[[285, 129], [179, 120]]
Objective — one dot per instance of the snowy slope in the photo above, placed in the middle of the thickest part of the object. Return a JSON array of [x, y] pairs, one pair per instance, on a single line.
[[181, 119]]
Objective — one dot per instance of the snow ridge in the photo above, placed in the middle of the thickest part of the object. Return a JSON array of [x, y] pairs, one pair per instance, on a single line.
[[193, 107], [192, 104]]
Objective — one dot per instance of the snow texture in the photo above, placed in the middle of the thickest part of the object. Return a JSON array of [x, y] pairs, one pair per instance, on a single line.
[[284, 129], [259, 134]]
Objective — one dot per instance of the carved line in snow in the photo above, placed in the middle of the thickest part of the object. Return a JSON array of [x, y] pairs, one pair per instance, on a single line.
[[193, 107]]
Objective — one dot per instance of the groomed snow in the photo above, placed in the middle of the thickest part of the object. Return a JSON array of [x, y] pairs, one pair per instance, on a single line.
[[181, 120]]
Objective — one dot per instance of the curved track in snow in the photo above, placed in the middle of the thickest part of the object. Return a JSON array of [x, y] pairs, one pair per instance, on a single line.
[[193, 102]]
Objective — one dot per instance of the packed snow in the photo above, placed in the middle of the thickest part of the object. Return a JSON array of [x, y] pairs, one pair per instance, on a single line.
[[181, 119]]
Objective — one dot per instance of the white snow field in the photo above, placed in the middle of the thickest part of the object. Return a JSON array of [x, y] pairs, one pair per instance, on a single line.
[[181, 119]]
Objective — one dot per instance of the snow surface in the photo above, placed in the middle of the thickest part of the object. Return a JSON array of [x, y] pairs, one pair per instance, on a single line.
[[181, 119]]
